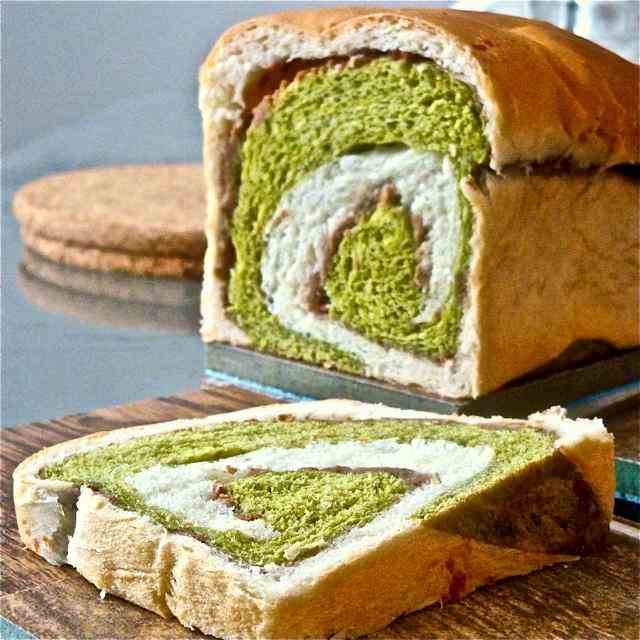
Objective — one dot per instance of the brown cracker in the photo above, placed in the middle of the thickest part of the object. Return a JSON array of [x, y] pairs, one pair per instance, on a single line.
[[139, 219]]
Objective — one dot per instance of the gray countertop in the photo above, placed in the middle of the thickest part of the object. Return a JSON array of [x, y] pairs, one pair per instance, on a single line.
[[93, 340], [65, 350], [77, 101], [88, 84]]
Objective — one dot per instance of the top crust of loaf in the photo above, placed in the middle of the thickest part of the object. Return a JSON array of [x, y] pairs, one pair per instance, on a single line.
[[546, 93]]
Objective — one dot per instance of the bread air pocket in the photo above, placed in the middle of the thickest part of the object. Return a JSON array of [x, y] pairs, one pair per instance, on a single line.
[[389, 196]]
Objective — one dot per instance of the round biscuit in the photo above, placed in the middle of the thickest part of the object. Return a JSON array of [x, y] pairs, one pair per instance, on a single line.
[[139, 219]]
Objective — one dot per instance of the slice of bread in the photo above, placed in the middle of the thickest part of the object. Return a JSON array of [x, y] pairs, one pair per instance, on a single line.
[[316, 519]]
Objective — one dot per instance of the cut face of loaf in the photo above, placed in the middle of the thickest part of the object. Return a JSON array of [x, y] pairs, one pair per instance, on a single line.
[[390, 196], [276, 522]]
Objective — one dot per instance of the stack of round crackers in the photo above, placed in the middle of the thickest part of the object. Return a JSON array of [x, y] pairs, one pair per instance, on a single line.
[[143, 220]]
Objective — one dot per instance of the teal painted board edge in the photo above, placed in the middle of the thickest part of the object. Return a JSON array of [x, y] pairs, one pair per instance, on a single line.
[[594, 403], [628, 479], [218, 378], [10, 631]]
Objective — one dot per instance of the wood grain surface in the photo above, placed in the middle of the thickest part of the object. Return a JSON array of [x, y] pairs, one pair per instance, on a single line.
[[596, 597]]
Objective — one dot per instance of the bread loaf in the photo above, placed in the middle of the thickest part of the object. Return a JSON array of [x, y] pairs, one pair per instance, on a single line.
[[436, 198]]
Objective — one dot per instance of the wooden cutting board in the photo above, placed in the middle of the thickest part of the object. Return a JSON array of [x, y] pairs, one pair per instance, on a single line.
[[593, 598]]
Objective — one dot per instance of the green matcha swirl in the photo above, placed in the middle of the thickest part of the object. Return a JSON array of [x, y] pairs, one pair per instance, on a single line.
[[306, 508], [318, 119]]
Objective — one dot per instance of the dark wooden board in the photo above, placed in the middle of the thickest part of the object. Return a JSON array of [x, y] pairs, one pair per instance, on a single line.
[[593, 598]]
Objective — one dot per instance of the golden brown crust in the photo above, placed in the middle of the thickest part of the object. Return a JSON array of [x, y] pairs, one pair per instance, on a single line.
[[136, 571], [147, 210], [556, 260], [412, 571], [176, 575], [546, 92]]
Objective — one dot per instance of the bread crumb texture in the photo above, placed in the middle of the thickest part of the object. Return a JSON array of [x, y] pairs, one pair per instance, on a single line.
[[373, 286], [322, 115], [307, 508]]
